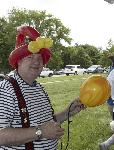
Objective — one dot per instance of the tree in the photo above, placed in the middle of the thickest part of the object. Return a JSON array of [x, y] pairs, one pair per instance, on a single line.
[[83, 58], [93, 53], [56, 61], [68, 54], [6, 42], [46, 24], [110, 44], [104, 61], [76, 55]]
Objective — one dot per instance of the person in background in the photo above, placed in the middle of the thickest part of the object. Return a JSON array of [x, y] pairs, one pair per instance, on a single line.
[[42, 128], [110, 102]]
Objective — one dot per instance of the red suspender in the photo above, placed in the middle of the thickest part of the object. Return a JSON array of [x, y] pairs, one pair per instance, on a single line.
[[23, 109]]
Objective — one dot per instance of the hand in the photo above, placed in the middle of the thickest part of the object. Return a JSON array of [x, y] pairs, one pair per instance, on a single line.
[[75, 107], [52, 130]]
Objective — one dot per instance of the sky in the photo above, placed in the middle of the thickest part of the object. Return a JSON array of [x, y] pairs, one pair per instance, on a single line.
[[90, 21]]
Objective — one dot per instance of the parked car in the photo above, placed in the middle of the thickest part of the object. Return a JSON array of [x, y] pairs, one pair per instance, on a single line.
[[74, 69], [59, 72], [95, 69], [46, 72]]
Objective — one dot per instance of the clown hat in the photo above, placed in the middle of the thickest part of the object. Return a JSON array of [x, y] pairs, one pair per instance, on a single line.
[[21, 47]]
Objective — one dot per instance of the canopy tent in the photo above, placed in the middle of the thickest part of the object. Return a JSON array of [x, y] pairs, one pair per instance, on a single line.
[[110, 1]]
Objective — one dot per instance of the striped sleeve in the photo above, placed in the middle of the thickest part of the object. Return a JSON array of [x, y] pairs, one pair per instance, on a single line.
[[7, 107]]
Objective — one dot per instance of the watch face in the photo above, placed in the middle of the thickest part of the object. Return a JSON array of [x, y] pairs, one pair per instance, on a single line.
[[39, 132]]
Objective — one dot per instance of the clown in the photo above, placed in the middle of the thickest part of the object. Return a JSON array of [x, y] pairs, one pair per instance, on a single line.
[[27, 119]]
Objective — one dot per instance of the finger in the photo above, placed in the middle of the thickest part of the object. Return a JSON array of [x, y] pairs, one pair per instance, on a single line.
[[59, 134], [60, 130], [83, 106]]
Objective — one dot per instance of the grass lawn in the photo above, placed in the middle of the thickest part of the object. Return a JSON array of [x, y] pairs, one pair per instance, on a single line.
[[90, 126]]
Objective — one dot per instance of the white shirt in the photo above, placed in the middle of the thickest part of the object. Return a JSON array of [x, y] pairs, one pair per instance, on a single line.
[[110, 78]]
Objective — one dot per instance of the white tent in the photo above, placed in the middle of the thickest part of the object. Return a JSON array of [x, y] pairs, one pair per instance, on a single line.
[[110, 1]]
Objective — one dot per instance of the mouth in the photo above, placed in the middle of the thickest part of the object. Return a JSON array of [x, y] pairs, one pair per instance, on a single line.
[[36, 68]]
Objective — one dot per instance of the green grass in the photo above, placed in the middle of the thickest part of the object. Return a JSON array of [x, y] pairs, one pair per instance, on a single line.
[[90, 126]]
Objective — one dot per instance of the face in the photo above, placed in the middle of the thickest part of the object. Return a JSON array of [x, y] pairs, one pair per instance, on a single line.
[[31, 65]]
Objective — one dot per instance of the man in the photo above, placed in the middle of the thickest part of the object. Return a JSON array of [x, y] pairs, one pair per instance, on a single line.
[[44, 130], [106, 144]]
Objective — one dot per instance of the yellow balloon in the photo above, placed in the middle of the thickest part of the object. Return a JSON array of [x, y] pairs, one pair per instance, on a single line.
[[40, 42], [48, 42], [33, 47], [95, 91]]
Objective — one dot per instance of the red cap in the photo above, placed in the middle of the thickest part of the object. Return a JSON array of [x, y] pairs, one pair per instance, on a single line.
[[21, 48]]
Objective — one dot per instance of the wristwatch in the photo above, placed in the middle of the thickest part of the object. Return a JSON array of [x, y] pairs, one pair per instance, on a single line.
[[38, 132]]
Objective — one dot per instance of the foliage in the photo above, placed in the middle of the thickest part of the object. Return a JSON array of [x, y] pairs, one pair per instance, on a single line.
[[93, 53], [49, 26], [85, 55], [56, 61], [46, 24], [109, 50], [6, 43], [110, 44], [83, 58], [104, 61]]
